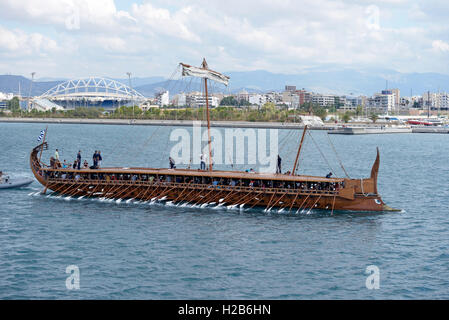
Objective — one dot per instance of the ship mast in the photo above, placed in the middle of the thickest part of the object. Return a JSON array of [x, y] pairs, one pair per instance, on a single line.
[[299, 150], [204, 66], [205, 73]]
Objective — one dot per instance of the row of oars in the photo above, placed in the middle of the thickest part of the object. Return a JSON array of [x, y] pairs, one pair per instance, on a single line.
[[185, 196]]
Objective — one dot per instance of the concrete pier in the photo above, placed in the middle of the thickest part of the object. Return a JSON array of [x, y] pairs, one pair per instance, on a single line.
[[371, 130]]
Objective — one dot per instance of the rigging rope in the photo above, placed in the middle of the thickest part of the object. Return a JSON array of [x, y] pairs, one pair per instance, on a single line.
[[322, 154], [166, 150], [338, 158], [284, 140]]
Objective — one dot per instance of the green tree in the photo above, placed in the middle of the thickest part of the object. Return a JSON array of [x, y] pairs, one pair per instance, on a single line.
[[373, 117], [244, 103], [14, 104], [346, 117], [229, 101], [268, 107], [320, 112]]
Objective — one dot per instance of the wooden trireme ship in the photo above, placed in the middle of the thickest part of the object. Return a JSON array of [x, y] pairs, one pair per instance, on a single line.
[[209, 187]]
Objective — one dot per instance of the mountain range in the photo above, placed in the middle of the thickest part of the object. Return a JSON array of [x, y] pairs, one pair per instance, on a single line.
[[344, 81]]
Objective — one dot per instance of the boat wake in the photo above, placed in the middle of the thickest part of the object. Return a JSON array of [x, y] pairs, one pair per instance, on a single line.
[[182, 204]]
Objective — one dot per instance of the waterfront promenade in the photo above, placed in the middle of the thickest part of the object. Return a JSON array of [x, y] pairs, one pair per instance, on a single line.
[[335, 128], [183, 123]]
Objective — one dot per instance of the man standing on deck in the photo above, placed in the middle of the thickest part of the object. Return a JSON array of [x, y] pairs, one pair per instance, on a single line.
[[203, 161], [78, 158], [172, 163], [99, 158], [57, 155], [95, 159], [278, 167]]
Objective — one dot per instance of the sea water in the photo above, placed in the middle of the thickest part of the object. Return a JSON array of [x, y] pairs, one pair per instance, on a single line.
[[150, 250]]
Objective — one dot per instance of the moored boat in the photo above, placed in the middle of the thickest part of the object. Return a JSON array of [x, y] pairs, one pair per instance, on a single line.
[[8, 183]]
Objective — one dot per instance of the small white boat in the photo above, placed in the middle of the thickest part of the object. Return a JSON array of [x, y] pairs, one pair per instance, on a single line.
[[8, 183]]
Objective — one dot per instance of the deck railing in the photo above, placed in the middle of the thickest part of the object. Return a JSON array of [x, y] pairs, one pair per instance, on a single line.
[[197, 186]]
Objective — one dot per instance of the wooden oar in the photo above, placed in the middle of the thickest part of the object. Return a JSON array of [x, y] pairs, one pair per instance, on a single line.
[[278, 200], [314, 204], [293, 202], [303, 203], [269, 202]]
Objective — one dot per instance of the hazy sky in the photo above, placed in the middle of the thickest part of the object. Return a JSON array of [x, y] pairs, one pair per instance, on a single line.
[[72, 38]]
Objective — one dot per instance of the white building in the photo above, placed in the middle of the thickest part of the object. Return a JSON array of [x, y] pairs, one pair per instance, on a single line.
[[44, 105], [180, 100], [4, 99], [437, 100], [6, 96], [257, 99], [163, 99], [384, 102], [291, 98], [198, 100], [323, 100], [274, 97], [243, 95]]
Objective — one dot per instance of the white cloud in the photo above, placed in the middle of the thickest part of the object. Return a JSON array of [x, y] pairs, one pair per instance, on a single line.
[[161, 21], [440, 46], [97, 16], [19, 43]]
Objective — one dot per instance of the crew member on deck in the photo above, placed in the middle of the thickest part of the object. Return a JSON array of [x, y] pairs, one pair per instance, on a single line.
[[99, 158], [172, 163], [78, 158], [95, 159], [329, 175], [203, 161], [278, 167], [57, 155]]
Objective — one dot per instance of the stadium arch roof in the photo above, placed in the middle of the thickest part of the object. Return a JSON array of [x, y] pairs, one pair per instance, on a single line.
[[92, 88]]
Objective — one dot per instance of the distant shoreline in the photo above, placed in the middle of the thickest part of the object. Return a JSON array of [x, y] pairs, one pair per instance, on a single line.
[[182, 123]]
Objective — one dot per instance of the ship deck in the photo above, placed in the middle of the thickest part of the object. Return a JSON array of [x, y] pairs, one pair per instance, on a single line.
[[202, 173]]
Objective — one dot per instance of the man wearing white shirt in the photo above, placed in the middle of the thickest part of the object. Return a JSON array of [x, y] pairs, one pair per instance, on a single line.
[[203, 161]]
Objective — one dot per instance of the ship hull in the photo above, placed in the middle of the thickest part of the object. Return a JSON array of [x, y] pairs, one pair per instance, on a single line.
[[216, 195]]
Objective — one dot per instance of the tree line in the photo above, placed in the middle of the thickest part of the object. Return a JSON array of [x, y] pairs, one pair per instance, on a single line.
[[236, 111]]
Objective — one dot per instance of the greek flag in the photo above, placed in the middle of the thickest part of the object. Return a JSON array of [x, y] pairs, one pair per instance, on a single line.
[[41, 136]]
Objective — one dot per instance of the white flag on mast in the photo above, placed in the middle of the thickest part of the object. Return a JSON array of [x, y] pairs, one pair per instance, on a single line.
[[188, 70]]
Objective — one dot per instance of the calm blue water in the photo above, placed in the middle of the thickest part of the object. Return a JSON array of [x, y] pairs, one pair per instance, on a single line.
[[132, 251]]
